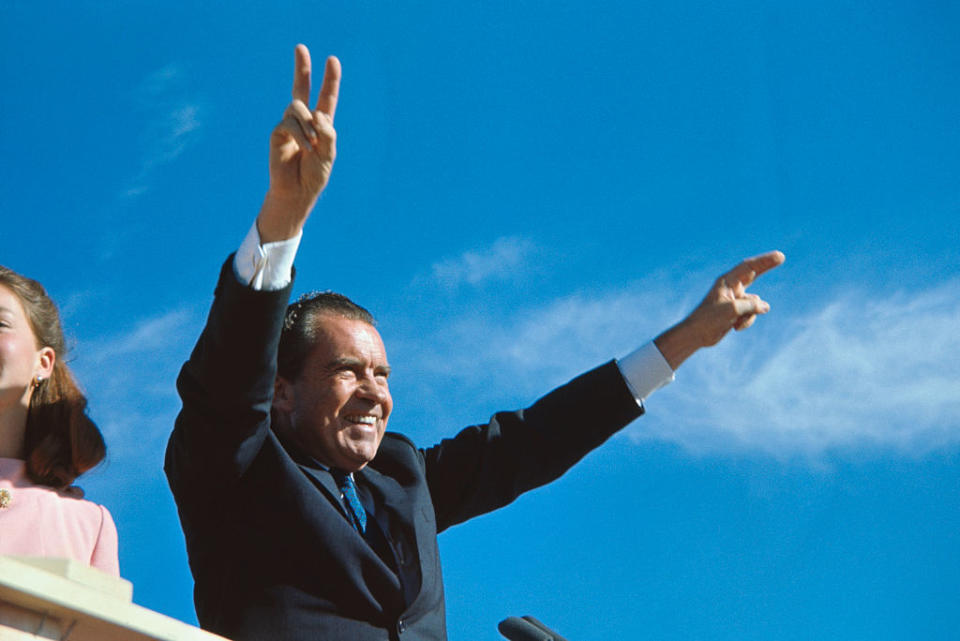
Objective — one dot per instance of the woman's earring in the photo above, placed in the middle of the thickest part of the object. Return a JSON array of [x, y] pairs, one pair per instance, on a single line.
[[37, 380]]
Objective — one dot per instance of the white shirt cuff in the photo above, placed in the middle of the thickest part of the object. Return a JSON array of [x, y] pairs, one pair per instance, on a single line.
[[645, 370], [265, 267]]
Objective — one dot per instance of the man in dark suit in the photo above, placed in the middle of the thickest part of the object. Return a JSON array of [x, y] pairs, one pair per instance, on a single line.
[[304, 518]]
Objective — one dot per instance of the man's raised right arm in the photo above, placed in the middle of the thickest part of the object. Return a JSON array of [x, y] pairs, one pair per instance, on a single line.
[[227, 384]]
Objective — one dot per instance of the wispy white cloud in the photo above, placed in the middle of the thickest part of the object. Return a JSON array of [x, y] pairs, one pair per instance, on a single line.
[[146, 336], [129, 378], [537, 343], [863, 371], [172, 122], [500, 261]]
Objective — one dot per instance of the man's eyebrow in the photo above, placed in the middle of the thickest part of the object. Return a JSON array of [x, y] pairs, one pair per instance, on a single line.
[[353, 363], [344, 361]]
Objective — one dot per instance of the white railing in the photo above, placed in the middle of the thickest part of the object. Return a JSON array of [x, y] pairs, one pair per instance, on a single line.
[[61, 599]]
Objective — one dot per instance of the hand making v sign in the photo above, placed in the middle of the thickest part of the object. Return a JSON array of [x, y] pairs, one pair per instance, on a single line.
[[303, 147]]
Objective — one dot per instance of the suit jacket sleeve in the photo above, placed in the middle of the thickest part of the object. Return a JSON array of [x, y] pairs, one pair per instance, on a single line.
[[227, 389], [486, 467]]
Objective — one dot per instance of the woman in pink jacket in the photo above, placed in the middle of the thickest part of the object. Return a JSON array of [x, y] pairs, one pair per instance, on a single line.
[[46, 438]]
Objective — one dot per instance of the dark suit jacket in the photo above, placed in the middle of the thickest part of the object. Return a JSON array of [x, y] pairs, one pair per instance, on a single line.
[[271, 553]]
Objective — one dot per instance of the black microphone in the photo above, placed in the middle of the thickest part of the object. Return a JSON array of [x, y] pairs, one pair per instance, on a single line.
[[527, 629], [516, 629], [539, 624]]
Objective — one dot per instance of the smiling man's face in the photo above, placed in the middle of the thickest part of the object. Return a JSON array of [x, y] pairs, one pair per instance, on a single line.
[[338, 407]]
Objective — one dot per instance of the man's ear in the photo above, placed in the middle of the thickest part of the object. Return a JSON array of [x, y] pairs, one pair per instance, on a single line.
[[283, 395]]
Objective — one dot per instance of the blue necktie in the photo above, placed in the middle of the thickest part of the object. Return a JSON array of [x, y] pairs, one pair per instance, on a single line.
[[348, 488]]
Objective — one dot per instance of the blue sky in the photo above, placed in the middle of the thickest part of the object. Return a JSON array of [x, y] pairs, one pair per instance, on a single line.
[[524, 190]]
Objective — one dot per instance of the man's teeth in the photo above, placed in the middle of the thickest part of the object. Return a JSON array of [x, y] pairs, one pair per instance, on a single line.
[[366, 420]]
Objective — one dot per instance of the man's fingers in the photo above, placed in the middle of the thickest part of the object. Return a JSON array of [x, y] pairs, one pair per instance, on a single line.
[[326, 134], [299, 112], [750, 304], [762, 263], [301, 74], [330, 90], [752, 267], [744, 322], [289, 129], [765, 262]]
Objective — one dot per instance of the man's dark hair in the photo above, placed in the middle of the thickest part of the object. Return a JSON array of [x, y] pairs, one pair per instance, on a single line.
[[300, 327]]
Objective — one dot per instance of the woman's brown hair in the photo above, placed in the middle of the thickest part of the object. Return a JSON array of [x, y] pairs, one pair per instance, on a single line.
[[61, 442]]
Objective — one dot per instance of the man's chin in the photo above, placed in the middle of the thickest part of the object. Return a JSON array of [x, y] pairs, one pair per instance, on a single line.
[[357, 459]]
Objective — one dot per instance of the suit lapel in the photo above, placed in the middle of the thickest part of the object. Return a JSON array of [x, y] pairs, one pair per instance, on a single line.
[[396, 502], [320, 477], [391, 494], [402, 511], [324, 480]]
